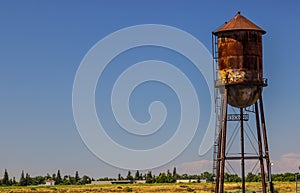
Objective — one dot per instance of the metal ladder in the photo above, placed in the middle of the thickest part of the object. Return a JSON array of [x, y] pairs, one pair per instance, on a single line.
[[217, 98]]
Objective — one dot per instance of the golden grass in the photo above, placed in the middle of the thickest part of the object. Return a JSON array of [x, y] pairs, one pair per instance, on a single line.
[[147, 188]]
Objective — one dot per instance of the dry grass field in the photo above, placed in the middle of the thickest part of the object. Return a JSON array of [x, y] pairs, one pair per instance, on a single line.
[[146, 188]]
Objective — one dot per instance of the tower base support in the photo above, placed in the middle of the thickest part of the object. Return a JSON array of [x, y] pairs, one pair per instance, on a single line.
[[262, 146]]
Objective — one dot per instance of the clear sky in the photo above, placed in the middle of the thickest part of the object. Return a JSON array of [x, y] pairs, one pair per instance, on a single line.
[[42, 44]]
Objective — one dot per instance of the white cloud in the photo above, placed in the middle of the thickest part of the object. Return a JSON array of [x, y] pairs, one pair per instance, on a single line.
[[289, 162]]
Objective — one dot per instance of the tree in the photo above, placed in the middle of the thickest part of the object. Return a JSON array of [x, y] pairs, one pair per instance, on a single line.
[[175, 175], [170, 178], [5, 180], [129, 177], [120, 177], [184, 176], [72, 179], [48, 177], [86, 180], [137, 175], [252, 177], [207, 176], [66, 180], [58, 179], [232, 178], [38, 180], [53, 177], [286, 177], [22, 179], [149, 177], [77, 178], [27, 179], [14, 181], [162, 178]]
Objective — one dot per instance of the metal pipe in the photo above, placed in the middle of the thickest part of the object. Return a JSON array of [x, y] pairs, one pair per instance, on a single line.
[[218, 159], [270, 181], [242, 150]]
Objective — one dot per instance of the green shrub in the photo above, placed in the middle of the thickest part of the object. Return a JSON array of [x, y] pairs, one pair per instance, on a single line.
[[128, 189]]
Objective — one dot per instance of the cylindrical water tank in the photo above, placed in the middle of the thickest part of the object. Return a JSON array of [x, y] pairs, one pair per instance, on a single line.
[[240, 66]]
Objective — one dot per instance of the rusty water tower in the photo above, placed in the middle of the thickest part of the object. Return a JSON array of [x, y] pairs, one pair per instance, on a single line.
[[237, 50]]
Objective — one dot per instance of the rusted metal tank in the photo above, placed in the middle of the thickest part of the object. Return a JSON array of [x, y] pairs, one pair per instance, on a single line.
[[240, 66]]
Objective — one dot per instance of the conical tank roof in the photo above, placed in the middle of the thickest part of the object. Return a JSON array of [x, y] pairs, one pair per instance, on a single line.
[[239, 22]]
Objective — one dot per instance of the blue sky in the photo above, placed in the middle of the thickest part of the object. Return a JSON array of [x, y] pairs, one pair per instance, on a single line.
[[43, 42]]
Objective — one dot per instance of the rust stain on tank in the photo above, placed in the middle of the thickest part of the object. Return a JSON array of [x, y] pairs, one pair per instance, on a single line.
[[240, 60]]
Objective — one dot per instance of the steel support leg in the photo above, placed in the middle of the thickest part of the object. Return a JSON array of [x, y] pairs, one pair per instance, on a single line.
[[264, 131], [224, 128], [261, 156]]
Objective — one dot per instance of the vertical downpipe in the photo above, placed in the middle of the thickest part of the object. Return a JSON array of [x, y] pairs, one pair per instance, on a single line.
[[242, 150]]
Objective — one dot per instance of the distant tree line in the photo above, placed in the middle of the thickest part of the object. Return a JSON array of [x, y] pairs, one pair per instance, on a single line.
[[172, 177], [149, 177], [168, 177], [27, 180], [286, 177]]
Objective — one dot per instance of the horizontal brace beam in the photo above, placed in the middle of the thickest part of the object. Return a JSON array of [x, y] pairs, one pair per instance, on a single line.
[[240, 157]]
